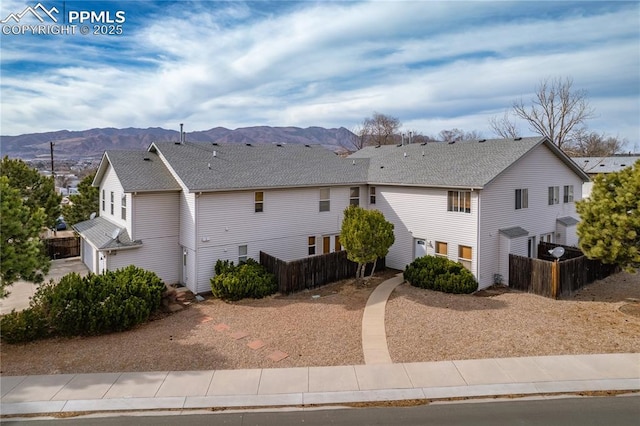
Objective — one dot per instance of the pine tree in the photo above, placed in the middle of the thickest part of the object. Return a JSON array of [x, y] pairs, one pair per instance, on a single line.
[[37, 191], [22, 253], [84, 203], [609, 229]]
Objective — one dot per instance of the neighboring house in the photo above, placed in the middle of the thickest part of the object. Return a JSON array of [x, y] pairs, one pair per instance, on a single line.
[[187, 205], [594, 166]]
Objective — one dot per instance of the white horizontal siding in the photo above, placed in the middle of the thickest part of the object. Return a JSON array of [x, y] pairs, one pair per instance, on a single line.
[[536, 171], [110, 183], [422, 213], [227, 220], [157, 215], [160, 255]]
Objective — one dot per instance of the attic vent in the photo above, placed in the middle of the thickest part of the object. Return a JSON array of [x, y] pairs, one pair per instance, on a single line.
[[399, 144], [482, 140], [248, 144], [377, 146], [382, 167], [147, 159], [623, 165], [517, 139], [214, 143], [177, 143], [278, 144], [307, 145], [423, 143], [601, 165], [452, 142], [586, 161]]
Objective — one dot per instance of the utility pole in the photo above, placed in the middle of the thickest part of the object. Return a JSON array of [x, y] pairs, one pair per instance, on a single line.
[[53, 173]]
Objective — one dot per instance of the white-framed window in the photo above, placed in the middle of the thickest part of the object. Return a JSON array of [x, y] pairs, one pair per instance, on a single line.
[[312, 245], [522, 198], [354, 196], [441, 249], [258, 198], [123, 207], [568, 194], [464, 256], [372, 195], [547, 238], [325, 200], [459, 201], [104, 198], [554, 195], [112, 203], [242, 253]]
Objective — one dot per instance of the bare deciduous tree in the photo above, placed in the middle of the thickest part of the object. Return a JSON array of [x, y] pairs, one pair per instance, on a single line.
[[455, 135], [557, 111], [592, 144], [381, 128], [504, 127]]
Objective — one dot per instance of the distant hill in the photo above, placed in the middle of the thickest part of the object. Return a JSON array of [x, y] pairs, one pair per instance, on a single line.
[[93, 142]]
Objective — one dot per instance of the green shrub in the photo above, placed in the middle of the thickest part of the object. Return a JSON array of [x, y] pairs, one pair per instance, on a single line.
[[95, 304], [249, 279], [23, 326], [440, 274]]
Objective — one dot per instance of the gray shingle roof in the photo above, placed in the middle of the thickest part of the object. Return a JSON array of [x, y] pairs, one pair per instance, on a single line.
[[567, 220], [139, 171], [466, 164], [514, 232], [594, 165], [98, 231], [236, 166]]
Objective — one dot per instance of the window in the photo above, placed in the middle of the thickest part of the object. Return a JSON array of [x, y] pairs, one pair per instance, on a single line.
[[547, 238], [372, 195], [123, 207], [103, 200], [258, 198], [459, 201], [568, 194], [441, 249], [325, 205], [312, 246], [522, 198], [354, 196], [464, 256], [112, 203], [554, 195], [242, 253]]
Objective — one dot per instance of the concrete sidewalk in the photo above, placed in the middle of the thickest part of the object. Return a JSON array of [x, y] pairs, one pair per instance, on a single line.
[[184, 390]]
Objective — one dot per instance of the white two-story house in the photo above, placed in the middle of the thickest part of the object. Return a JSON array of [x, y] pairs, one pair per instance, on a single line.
[[179, 207]]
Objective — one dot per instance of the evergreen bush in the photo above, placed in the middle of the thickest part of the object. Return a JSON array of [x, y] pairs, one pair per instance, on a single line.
[[248, 279], [440, 274], [95, 304]]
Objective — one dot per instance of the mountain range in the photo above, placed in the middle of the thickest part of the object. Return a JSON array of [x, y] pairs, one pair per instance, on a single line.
[[92, 143]]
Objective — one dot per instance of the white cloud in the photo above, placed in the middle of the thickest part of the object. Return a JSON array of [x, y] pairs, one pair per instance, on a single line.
[[433, 65]]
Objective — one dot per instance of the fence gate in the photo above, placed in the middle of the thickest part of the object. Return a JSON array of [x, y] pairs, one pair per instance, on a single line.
[[61, 248]]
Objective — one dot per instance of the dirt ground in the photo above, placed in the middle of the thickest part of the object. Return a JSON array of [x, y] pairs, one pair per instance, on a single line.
[[323, 327]]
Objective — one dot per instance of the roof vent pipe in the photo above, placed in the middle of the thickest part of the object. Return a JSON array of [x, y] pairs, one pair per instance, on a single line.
[[402, 143], [410, 138], [181, 133]]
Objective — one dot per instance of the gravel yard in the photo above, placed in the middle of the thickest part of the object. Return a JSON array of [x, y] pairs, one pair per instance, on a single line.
[[326, 330]]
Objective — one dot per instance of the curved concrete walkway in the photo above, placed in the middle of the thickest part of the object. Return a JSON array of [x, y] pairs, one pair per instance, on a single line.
[[374, 334]]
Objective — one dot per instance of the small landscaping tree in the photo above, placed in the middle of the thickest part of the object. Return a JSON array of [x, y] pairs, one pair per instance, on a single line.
[[84, 203], [609, 229], [366, 236]]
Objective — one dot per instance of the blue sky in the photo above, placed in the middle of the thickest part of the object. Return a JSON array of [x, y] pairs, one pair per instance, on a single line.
[[434, 65]]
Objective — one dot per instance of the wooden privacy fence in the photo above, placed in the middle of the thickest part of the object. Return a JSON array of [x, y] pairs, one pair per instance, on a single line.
[[313, 271], [61, 248], [552, 279]]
